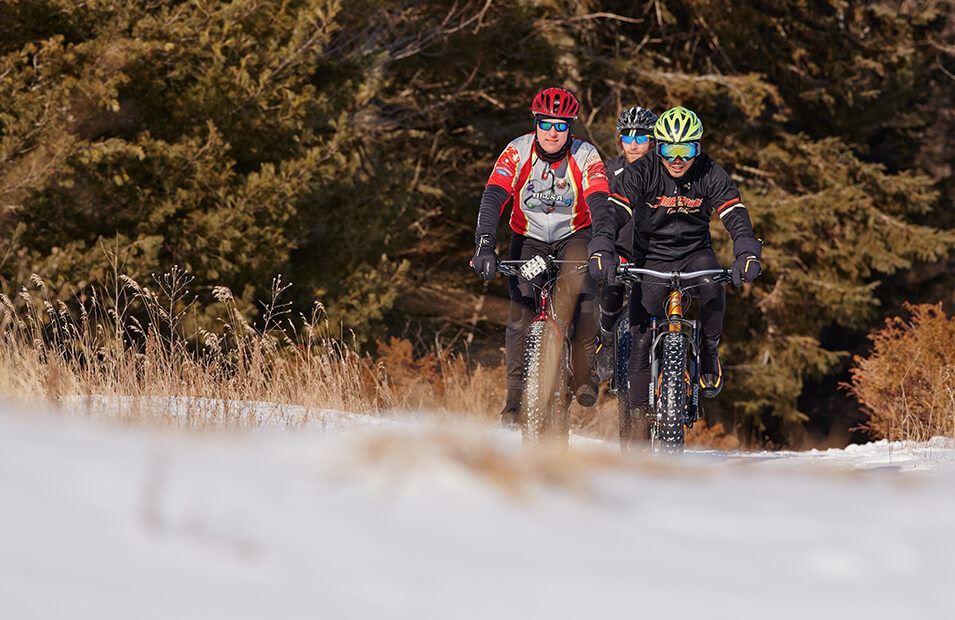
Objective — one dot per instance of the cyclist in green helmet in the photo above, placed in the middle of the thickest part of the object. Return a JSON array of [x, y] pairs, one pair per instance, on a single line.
[[672, 193]]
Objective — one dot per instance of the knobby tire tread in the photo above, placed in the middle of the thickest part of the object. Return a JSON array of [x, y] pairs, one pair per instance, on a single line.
[[621, 381], [671, 406], [545, 415]]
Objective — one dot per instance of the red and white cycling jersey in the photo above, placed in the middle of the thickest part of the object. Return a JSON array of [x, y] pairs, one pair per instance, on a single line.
[[550, 200]]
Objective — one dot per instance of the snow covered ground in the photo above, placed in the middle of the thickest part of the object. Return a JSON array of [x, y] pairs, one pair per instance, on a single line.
[[347, 516]]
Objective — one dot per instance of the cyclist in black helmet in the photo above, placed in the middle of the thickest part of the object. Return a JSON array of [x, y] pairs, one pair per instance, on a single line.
[[635, 137], [673, 193]]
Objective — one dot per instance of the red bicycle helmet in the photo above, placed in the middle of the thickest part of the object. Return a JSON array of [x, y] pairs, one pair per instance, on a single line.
[[556, 102]]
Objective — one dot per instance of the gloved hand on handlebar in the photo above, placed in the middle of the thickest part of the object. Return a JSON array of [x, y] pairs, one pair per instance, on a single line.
[[603, 262], [746, 267], [485, 258]]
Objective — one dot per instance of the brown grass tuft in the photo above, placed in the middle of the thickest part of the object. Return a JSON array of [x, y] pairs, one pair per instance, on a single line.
[[907, 384], [516, 473]]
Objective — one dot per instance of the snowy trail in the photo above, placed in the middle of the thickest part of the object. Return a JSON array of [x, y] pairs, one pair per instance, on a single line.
[[879, 456], [404, 520], [271, 417]]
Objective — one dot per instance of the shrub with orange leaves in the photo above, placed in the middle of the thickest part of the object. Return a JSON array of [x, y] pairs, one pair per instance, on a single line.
[[906, 385]]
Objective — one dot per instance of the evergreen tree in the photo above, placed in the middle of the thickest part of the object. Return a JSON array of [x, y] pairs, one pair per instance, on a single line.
[[346, 145]]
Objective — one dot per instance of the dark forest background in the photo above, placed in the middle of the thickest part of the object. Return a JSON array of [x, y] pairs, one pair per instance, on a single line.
[[345, 144]]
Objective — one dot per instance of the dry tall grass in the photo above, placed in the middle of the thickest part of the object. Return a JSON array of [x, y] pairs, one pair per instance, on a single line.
[[138, 346], [907, 384], [136, 342], [145, 343]]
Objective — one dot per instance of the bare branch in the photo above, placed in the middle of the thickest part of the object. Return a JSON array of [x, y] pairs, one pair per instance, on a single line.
[[594, 17]]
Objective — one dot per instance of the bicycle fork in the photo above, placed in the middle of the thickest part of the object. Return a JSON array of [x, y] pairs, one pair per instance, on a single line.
[[676, 323]]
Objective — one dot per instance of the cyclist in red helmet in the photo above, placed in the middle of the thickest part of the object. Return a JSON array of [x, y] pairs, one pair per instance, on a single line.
[[556, 182]]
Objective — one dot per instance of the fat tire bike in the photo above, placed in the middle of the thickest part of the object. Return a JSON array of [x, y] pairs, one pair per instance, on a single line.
[[674, 358], [547, 351]]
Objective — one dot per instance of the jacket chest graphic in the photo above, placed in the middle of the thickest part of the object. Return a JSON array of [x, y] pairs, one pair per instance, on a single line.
[[675, 202], [548, 189]]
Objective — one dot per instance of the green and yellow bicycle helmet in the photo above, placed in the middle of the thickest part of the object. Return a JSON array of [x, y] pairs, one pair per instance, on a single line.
[[678, 125]]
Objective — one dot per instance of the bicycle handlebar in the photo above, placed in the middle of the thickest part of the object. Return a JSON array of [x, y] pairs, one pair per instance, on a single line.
[[683, 275], [625, 272], [513, 267], [507, 269], [518, 263], [634, 273]]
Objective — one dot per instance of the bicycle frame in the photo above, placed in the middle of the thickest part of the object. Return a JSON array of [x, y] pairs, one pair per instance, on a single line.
[[675, 322], [547, 349]]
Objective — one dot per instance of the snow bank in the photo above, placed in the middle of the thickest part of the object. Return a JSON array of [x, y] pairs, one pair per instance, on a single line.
[[888, 456], [422, 522]]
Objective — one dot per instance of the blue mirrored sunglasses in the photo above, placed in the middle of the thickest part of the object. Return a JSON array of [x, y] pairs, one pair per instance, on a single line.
[[643, 139], [671, 151], [546, 125]]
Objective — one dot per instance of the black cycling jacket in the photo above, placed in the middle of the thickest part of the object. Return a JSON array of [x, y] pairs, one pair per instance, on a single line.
[[620, 205], [671, 217]]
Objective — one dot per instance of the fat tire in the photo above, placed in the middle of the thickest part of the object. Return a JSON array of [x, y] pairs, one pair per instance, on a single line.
[[545, 399], [671, 405], [621, 383]]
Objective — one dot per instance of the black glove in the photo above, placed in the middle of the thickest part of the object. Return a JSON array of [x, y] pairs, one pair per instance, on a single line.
[[745, 269], [485, 258], [603, 266], [746, 266]]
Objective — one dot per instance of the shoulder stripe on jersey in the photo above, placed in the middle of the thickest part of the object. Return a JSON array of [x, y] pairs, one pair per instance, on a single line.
[[615, 199], [737, 205], [730, 202]]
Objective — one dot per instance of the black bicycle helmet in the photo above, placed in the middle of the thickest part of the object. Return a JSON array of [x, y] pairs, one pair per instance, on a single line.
[[636, 118]]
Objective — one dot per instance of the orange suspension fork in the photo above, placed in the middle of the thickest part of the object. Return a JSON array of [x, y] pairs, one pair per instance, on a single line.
[[675, 309]]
